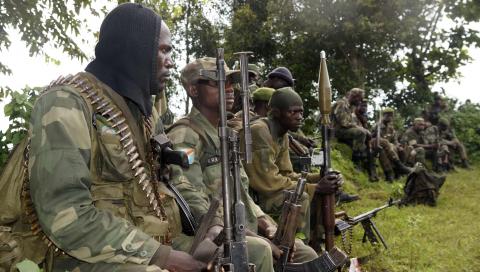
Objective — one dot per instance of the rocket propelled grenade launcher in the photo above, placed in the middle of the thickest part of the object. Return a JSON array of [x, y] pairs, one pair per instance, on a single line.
[[323, 207]]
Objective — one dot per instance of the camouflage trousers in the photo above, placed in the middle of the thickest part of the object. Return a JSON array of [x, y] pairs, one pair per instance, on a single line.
[[458, 147], [388, 154], [354, 137], [419, 154]]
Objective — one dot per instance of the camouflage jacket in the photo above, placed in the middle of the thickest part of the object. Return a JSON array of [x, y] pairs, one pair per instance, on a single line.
[[271, 169], [387, 131], [86, 190], [411, 137], [344, 115], [447, 134], [202, 180]]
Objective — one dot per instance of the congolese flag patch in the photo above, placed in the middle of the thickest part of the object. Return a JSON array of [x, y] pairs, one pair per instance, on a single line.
[[190, 154]]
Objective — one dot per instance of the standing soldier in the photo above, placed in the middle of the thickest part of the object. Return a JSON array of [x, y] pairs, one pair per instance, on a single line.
[[388, 146], [271, 172], [448, 138], [347, 129], [91, 174]]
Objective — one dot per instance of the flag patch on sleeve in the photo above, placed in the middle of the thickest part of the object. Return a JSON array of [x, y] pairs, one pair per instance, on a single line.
[[190, 154]]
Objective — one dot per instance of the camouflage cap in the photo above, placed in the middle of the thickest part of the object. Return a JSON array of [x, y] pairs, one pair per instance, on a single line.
[[357, 91], [418, 120], [262, 94], [203, 68], [388, 110]]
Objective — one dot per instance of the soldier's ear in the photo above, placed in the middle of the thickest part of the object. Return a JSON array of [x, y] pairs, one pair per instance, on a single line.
[[275, 112], [192, 90]]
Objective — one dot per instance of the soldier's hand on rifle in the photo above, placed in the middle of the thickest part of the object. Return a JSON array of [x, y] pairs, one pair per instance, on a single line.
[[330, 183], [181, 261], [266, 227], [213, 232]]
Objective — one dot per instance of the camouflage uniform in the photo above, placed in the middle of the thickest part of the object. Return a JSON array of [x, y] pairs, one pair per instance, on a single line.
[[448, 138], [271, 171], [388, 145], [347, 126], [91, 198], [413, 154], [203, 180]]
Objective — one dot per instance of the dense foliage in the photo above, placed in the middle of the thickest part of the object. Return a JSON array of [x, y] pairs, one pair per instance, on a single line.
[[396, 49]]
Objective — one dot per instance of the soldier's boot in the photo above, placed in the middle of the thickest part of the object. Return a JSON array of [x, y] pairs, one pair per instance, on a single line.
[[389, 176], [371, 167], [401, 169], [343, 197], [465, 164], [357, 159]]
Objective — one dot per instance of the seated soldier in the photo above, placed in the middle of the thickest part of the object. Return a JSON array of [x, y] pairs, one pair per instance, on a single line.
[[347, 129], [361, 117], [280, 77], [260, 97], [197, 133], [448, 138], [419, 143], [271, 172], [388, 146]]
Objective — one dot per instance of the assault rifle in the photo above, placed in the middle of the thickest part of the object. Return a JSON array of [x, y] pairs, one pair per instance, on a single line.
[[285, 237], [372, 234], [235, 256]]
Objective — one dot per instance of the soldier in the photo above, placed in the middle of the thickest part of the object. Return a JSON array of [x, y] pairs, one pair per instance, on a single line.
[[417, 143], [448, 138], [198, 135], [361, 117], [260, 97], [388, 146], [347, 129], [436, 110], [279, 78], [90, 170], [271, 172], [254, 81]]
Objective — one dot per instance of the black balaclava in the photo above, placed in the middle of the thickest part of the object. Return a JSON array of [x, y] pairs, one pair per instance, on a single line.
[[126, 54]]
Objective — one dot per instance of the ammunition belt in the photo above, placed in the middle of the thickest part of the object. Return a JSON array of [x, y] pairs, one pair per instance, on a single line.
[[105, 107]]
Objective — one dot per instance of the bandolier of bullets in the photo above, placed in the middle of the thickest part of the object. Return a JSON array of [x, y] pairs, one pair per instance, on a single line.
[[114, 116]]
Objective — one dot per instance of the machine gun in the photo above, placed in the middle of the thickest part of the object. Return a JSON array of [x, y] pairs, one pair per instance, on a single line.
[[372, 234], [235, 256]]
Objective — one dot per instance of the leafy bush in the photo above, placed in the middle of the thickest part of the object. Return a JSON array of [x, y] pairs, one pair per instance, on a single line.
[[466, 122], [18, 111]]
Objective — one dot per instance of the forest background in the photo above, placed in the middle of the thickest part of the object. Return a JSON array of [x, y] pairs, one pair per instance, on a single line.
[[396, 50]]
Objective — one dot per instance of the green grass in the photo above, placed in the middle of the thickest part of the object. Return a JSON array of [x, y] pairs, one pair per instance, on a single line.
[[420, 238]]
